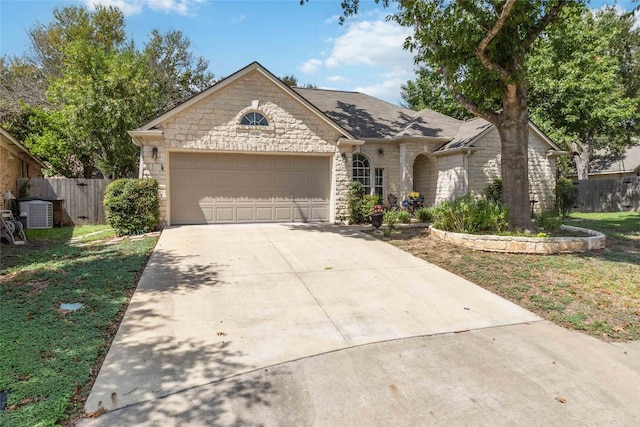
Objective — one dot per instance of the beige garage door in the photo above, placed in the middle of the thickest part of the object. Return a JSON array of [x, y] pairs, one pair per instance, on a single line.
[[212, 188]]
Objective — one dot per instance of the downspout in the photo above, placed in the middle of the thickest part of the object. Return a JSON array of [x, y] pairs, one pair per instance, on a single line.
[[466, 171]]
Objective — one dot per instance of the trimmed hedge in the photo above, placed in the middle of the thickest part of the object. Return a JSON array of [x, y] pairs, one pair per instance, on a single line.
[[132, 206]]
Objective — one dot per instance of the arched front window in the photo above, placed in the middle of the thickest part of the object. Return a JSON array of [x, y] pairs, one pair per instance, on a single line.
[[254, 119], [362, 171]]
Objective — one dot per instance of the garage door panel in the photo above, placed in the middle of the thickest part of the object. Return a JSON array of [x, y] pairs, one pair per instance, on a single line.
[[319, 213], [224, 214], [244, 214], [283, 213], [209, 188]]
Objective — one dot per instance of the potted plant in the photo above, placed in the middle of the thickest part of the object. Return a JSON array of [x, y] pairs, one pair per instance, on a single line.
[[377, 213]]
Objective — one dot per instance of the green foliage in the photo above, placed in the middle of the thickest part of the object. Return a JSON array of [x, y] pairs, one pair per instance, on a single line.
[[428, 91], [467, 215], [423, 214], [404, 217], [566, 196], [478, 48], [45, 354], [85, 85], [132, 206], [391, 217], [581, 93], [175, 73], [549, 220], [493, 191], [354, 203], [360, 205]]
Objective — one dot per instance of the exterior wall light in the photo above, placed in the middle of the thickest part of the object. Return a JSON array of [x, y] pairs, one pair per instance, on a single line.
[[154, 152]]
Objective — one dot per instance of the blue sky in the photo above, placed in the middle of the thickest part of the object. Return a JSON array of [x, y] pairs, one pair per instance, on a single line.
[[364, 55]]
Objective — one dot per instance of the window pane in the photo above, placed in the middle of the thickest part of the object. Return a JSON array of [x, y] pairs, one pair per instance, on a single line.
[[378, 183], [362, 171], [254, 119]]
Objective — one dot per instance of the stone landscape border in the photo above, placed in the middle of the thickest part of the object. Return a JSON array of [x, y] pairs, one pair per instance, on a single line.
[[526, 245]]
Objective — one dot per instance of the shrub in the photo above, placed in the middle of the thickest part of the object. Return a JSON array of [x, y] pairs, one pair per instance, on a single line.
[[466, 215], [550, 220], [354, 202], [390, 218], [566, 196], [403, 217], [493, 191], [423, 214], [132, 206], [369, 201]]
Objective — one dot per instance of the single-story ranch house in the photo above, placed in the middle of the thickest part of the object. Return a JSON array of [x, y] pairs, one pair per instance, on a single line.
[[251, 149]]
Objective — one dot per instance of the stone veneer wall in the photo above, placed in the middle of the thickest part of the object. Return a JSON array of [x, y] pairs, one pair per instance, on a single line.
[[484, 167], [212, 125], [389, 160]]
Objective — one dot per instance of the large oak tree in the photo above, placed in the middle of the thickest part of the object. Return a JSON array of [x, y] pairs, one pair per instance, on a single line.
[[479, 48]]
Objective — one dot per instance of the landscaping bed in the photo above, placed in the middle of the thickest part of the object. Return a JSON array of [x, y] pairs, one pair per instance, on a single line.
[[597, 292], [49, 355]]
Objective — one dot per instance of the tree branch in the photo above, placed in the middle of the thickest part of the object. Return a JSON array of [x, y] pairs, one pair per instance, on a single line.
[[551, 16], [480, 50], [489, 116]]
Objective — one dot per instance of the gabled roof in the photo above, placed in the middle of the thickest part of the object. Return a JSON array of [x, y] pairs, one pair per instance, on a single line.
[[607, 163], [254, 66], [368, 117], [12, 141], [467, 133]]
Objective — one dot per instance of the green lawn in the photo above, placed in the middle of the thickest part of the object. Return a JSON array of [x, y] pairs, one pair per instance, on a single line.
[[595, 292], [47, 355]]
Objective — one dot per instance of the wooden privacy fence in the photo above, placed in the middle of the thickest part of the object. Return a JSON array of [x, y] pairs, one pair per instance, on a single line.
[[609, 195], [82, 198]]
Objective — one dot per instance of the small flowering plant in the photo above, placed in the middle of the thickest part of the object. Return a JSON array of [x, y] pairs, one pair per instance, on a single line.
[[413, 194], [377, 209]]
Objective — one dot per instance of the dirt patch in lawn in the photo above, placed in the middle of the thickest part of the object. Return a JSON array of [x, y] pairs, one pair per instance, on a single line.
[[596, 292]]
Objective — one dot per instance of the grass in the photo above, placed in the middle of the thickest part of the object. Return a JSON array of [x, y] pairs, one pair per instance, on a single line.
[[594, 292], [48, 357]]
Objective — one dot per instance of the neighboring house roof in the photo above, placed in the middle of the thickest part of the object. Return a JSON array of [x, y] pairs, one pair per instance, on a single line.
[[608, 163], [8, 139]]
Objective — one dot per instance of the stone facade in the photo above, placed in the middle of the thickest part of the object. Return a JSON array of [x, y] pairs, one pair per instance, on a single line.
[[210, 123], [484, 167], [213, 125]]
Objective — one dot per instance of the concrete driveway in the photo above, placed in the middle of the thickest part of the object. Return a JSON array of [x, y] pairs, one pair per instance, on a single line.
[[297, 324]]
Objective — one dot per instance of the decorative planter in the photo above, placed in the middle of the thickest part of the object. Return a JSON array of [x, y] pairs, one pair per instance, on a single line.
[[593, 240], [376, 220]]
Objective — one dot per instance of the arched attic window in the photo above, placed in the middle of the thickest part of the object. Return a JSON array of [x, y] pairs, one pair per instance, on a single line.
[[254, 119], [362, 171]]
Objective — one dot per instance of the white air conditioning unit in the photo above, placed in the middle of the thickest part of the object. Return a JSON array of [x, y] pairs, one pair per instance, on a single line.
[[38, 213]]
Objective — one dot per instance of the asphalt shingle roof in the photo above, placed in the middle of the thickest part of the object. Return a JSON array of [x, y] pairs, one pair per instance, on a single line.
[[367, 117], [603, 162]]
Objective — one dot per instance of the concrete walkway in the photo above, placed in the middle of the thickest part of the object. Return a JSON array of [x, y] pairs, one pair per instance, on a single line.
[[323, 325]]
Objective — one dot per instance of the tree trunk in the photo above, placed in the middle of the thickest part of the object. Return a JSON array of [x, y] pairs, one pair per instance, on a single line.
[[513, 127], [580, 154]]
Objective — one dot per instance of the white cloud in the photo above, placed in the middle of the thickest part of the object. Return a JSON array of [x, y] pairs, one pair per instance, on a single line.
[[389, 87], [336, 79], [311, 66], [334, 19], [388, 90], [238, 19], [134, 7], [371, 43]]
